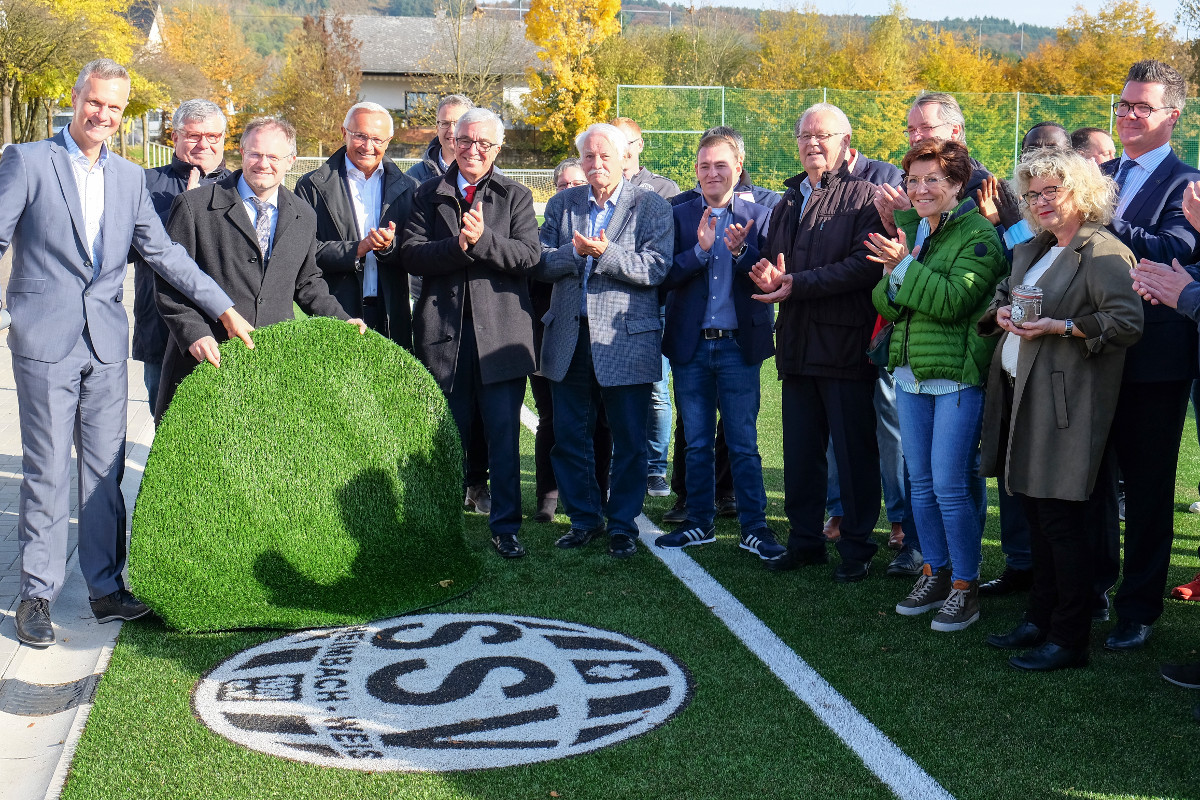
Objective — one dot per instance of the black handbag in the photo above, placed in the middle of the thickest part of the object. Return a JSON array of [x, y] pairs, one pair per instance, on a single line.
[[877, 351]]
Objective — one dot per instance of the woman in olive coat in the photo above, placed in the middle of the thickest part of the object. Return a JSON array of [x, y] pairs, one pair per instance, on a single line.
[[1052, 391]]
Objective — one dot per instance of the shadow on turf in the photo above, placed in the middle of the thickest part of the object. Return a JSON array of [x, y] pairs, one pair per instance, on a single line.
[[372, 570]]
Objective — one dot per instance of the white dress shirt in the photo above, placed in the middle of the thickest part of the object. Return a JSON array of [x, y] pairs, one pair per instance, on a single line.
[[366, 195], [89, 181], [272, 202], [1136, 177]]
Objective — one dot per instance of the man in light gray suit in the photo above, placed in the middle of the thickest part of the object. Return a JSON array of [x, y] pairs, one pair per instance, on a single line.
[[71, 209], [605, 247]]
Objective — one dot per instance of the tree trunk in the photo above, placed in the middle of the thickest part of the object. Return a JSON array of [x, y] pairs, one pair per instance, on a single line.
[[6, 128], [49, 105], [121, 134]]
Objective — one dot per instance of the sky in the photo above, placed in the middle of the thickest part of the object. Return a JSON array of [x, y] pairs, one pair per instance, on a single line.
[[1033, 12]]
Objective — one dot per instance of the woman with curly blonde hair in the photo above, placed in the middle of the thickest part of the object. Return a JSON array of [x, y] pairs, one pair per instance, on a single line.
[[1052, 391]]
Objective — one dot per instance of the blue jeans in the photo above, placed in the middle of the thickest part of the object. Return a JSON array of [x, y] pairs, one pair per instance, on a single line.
[[151, 374], [941, 443], [658, 423], [718, 375], [577, 400], [891, 456]]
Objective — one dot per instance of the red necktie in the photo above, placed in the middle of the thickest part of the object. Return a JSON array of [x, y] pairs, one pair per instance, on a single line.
[[470, 194]]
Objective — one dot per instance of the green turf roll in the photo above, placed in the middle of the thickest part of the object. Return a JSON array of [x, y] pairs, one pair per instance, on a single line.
[[312, 481]]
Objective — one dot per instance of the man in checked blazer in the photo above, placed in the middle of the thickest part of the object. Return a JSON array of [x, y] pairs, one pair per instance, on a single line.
[[605, 247], [71, 209]]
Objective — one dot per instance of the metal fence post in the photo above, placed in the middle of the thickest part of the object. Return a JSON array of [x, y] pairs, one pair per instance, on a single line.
[[618, 99], [722, 105], [1111, 102], [1017, 133]]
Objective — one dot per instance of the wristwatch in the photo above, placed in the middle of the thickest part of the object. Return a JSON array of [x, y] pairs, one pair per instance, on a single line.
[[1069, 329]]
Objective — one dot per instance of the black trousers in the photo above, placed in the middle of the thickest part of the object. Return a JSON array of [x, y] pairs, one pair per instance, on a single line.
[[1062, 596], [1146, 432], [543, 442], [679, 462], [814, 410]]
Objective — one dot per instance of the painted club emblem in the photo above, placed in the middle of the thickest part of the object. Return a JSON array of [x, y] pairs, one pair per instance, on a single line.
[[442, 692]]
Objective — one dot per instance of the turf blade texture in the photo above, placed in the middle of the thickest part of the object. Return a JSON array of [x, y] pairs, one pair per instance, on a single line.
[[312, 481]]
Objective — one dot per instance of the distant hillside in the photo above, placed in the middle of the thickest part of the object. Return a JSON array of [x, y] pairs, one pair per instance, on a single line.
[[269, 21]]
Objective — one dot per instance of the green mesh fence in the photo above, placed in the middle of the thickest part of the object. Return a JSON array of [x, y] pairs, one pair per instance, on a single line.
[[673, 117]]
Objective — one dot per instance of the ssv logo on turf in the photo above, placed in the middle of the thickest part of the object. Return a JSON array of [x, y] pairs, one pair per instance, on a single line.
[[442, 692]]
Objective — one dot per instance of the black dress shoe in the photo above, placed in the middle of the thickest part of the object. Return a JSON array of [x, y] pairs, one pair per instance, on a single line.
[[1010, 581], [1050, 656], [120, 605], [547, 508], [578, 537], [33, 623], [907, 563], [851, 571], [676, 513], [621, 545], [1127, 636], [795, 559], [1022, 637], [727, 506], [506, 545]]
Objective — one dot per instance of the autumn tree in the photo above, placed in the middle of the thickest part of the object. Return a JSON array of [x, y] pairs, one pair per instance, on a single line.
[[207, 56], [564, 89], [1091, 53], [319, 79], [474, 53], [948, 63], [794, 50]]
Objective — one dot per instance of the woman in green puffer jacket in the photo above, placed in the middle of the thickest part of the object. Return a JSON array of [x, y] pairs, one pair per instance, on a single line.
[[933, 295]]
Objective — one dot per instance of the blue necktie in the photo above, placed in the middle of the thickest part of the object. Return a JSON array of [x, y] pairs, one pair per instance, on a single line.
[[1123, 174]]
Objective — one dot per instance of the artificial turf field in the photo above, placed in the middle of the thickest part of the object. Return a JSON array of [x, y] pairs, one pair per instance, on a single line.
[[979, 728]]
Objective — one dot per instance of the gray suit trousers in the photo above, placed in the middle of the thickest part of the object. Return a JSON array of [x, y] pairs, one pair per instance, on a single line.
[[79, 400]]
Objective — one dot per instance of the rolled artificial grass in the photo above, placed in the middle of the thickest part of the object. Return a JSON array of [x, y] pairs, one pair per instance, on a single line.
[[312, 481]]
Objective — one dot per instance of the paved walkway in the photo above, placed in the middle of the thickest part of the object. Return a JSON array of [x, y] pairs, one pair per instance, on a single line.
[[37, 748]]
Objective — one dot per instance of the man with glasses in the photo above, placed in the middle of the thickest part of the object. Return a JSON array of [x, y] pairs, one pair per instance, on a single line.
[[257, 240], [362, 200], [473, 238], [605, 247], [815, 266], [438, 158], [198, 131], [1152, 406], [439, 155]]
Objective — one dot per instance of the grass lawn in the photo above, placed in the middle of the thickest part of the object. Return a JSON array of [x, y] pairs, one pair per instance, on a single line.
[[980, 728]]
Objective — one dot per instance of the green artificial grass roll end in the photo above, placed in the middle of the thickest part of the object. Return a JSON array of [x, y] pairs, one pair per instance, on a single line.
[[312, 481]]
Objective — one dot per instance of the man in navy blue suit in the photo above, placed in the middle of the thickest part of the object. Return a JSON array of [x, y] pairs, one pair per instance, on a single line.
[[716, 338], [1159, 369]]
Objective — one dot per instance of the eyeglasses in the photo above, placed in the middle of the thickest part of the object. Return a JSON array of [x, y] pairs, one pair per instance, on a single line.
[[924, 130], [568, 184], [267, 157], [1140, 110], [928, 181], [467, 144], [196, 138], [1048, 194], [362, 138], [445, 125], [819, 138]]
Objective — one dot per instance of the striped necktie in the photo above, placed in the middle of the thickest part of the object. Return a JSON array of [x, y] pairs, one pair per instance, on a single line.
[[262, 226]]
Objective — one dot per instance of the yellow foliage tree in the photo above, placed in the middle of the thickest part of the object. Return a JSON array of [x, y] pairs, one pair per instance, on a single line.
[[794, 52], [947, 63], [565, 95], [1092, 53], [211, 57]]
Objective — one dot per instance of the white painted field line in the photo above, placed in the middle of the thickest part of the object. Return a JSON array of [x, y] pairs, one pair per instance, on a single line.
[[880, 754]]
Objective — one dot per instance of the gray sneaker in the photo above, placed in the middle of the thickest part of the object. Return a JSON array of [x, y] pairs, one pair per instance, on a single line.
[[961, 609], [478, 499], [929, 592], [657, 486]]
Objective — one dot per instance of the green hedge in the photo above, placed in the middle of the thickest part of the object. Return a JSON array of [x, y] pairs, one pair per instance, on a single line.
[[312, 481]]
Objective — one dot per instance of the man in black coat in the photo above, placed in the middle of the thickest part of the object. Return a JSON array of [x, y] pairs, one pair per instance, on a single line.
[[473, 237], [198, 130], [257, 240], [816, 260], [363, 200]]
